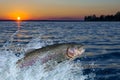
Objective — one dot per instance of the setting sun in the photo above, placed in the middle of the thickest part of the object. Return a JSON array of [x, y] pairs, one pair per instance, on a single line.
[[18, 18]]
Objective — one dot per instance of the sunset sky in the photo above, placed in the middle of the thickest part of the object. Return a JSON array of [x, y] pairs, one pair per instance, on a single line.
[[56, 9]]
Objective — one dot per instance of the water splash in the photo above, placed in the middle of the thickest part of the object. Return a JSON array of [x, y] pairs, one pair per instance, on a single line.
[[67, 70], [37, 43]]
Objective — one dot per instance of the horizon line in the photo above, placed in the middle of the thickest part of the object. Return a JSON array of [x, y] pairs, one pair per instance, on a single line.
[[59, 20]]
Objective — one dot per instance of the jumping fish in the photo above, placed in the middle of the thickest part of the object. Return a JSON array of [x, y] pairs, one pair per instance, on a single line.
[[56, 52]]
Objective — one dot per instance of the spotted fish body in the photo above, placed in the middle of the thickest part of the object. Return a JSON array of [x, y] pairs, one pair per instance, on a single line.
[[56, 52]]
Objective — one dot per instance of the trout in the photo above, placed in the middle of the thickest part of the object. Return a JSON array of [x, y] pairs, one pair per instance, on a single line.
[[55, 52]]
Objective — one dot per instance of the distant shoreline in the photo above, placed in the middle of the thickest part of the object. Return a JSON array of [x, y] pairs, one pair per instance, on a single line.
[[53, 21], [46, 20], [115, 17]]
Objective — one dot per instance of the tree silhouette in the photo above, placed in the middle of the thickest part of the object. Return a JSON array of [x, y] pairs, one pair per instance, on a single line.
[[115, 17]]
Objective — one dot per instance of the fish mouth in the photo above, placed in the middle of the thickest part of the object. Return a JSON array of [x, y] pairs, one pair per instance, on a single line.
[[74, 52]]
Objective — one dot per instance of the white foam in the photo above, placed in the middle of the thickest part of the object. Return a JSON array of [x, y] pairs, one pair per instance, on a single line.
[[66, 70], [37, 43]]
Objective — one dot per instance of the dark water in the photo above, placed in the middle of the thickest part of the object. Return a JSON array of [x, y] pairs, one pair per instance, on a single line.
[[101, 41]]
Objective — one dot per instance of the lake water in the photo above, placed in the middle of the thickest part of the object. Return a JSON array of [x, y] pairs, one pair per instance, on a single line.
[[101, 60]]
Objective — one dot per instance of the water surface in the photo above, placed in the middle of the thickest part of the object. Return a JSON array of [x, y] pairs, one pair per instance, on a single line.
[[100, 61]]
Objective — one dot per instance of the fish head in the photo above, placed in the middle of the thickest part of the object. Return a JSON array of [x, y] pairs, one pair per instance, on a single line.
[[74, 51]]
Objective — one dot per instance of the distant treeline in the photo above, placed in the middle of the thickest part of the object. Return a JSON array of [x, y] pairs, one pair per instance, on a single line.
[[115, 17]]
